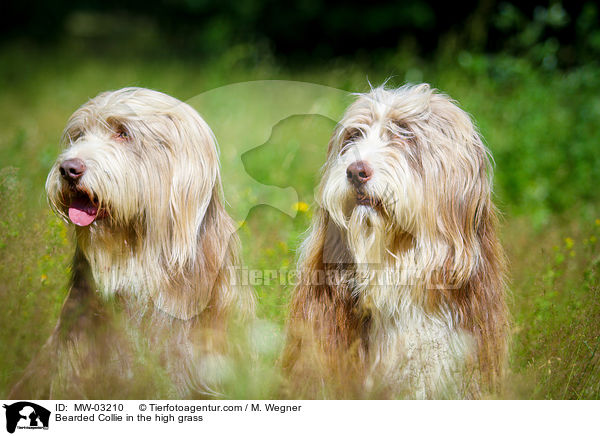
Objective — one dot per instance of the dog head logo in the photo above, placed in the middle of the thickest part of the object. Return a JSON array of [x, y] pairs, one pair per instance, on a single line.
[[265, 114], [26, 415]]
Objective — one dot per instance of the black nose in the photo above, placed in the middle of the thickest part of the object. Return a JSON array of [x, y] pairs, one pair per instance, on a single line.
[[72, 169], [358, 173]]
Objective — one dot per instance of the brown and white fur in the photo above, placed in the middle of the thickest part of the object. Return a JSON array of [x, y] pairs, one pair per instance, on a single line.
[[152, 292], [401, 291]]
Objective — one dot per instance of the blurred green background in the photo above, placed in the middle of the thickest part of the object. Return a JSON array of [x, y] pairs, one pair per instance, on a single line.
[[529, 73]]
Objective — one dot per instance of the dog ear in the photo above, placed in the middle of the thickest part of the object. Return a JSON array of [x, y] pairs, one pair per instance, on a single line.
[[472, 270], [200, 244], [208, 283], [457, 178], [194, 176]]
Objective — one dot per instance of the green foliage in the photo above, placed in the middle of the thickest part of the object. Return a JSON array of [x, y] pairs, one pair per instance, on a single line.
[[540, 128], [33, 276], [541, 37], [554, 33], [557, 341]]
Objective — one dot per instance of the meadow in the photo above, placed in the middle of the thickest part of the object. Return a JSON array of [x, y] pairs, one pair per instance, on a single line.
[[273, 123]]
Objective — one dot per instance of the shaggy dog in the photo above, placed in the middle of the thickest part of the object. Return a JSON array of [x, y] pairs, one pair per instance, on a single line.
[[401, 290], [152, 289]]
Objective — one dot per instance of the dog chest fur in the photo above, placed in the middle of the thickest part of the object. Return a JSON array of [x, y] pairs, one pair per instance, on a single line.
[[423, 353]]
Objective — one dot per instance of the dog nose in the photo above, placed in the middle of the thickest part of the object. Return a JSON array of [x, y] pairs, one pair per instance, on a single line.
[[72, 169], [358, 173]]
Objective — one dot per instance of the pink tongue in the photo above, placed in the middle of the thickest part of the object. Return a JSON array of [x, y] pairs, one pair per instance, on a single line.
[[82, 212]]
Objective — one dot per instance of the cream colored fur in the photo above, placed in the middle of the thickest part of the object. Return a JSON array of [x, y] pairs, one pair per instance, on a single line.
[[422, 293], [153, 275]]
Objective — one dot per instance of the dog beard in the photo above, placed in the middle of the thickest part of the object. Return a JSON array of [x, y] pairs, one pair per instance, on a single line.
[[366, 236]]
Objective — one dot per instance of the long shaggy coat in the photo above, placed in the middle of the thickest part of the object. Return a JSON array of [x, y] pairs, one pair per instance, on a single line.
[[401, 291], [153, 289]]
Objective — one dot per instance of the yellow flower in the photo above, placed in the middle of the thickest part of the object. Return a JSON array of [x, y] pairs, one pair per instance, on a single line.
[[598, 222], [569, 243], [301, 206], [43, 278]]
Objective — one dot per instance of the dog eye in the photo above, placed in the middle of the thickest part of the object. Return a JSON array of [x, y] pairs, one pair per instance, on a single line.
[[121, 134], [351, 136], [400, 129]]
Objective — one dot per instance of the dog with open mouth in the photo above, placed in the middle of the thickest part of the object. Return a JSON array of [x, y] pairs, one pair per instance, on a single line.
[[401, 290], [153, 293]]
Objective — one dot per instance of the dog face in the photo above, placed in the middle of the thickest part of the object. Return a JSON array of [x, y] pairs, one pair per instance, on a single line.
[[136, 159], [405, 161]]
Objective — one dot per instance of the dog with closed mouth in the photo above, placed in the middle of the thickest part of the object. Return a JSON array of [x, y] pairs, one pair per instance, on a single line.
[[401, 291]]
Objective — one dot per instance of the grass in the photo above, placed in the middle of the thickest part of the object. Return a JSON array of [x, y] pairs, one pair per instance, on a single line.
[[556, 310], [539, 125]]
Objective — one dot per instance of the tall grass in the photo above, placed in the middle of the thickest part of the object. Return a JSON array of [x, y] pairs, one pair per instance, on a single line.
[[539, 125], [34, 252], [556, 310]]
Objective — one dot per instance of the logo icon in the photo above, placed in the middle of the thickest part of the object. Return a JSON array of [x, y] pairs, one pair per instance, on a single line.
[[26, 415]]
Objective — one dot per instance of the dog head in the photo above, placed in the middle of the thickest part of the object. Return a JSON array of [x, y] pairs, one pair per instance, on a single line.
[[406, 162], [136, 159]]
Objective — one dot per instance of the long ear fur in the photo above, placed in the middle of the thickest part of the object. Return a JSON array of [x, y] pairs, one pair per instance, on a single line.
[[200, 245], [191, 184], [472, 280], [209, 283]]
